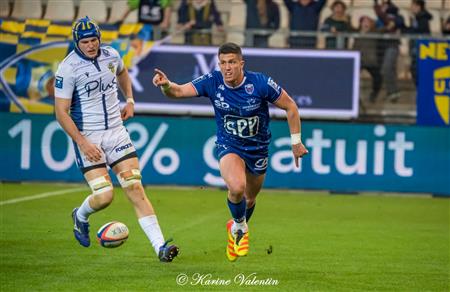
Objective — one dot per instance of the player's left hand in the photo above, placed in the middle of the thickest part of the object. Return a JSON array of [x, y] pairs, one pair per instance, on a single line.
[[299, 150], [127, 112]]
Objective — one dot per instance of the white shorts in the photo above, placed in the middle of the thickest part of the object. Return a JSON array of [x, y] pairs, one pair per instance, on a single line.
[[115, 144]]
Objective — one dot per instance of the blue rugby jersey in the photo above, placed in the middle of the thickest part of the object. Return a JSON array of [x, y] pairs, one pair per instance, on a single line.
[[242, 112]]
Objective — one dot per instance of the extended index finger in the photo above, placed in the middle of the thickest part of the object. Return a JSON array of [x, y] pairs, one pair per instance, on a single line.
[[157, 71]]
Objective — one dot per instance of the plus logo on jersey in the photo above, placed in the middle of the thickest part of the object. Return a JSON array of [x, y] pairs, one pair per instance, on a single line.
[[98, 84]]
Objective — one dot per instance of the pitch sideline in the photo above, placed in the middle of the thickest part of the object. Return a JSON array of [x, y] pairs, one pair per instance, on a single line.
[[41, 196]]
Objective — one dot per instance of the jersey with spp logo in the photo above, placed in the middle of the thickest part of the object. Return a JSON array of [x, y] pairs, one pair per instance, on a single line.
[[92, 87], [242, 112]]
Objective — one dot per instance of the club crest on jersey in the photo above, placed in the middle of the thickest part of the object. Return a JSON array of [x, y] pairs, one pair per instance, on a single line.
[[111, 68], [105, 52], [249, 88]]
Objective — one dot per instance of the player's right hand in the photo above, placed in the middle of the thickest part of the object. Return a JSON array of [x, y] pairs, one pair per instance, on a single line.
[[299, 150], [160, 78], [92, 152]]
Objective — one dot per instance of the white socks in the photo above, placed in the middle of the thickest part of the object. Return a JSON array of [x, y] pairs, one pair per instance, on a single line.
[[149, 224], [239, 226], [85, 210], [151, 228]]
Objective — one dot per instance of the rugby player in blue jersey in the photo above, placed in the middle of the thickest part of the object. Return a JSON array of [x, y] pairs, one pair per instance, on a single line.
[[241, 104]]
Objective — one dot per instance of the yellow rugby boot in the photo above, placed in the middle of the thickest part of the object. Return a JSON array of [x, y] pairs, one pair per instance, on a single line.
[[241, 243], [231, 255]]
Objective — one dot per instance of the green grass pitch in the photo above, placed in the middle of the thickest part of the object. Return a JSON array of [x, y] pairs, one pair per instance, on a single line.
[[319, 242]]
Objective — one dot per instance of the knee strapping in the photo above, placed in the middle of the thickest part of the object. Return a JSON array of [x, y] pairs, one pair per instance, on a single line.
[[129, 177], [100, 184]]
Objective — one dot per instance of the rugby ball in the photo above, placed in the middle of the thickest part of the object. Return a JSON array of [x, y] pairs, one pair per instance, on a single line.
[[112, 234]]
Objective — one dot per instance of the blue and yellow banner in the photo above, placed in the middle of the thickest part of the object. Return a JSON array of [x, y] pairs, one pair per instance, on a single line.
[[30, 51], [433, 92]]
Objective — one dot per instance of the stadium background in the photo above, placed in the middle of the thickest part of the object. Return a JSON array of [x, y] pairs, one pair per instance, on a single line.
[[382, 148]]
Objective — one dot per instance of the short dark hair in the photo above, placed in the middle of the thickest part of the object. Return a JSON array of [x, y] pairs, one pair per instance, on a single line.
[[230, 48], [339, 2], [420, 3]]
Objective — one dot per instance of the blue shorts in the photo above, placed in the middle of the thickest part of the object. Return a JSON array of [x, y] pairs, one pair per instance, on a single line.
[[256, 161]]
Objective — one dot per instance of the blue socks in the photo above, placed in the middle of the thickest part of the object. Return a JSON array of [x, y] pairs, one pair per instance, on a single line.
[[237, 210], [249, 212]]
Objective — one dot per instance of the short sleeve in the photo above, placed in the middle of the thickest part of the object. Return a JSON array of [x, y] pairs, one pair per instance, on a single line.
[[64, 82], [203, 84], [120, 63], [113, 52], [273, 89]]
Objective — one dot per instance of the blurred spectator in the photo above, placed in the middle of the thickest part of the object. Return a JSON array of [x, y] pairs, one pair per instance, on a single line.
[[446, 26], [304, 16], [152, 13], [262, 14], [337, 22], [369, 54], [389, 21], [420, 24], [199, 15]]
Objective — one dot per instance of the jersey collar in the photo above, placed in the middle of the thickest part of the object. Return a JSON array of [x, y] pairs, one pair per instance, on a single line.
[[237, 86], [81, 55]]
